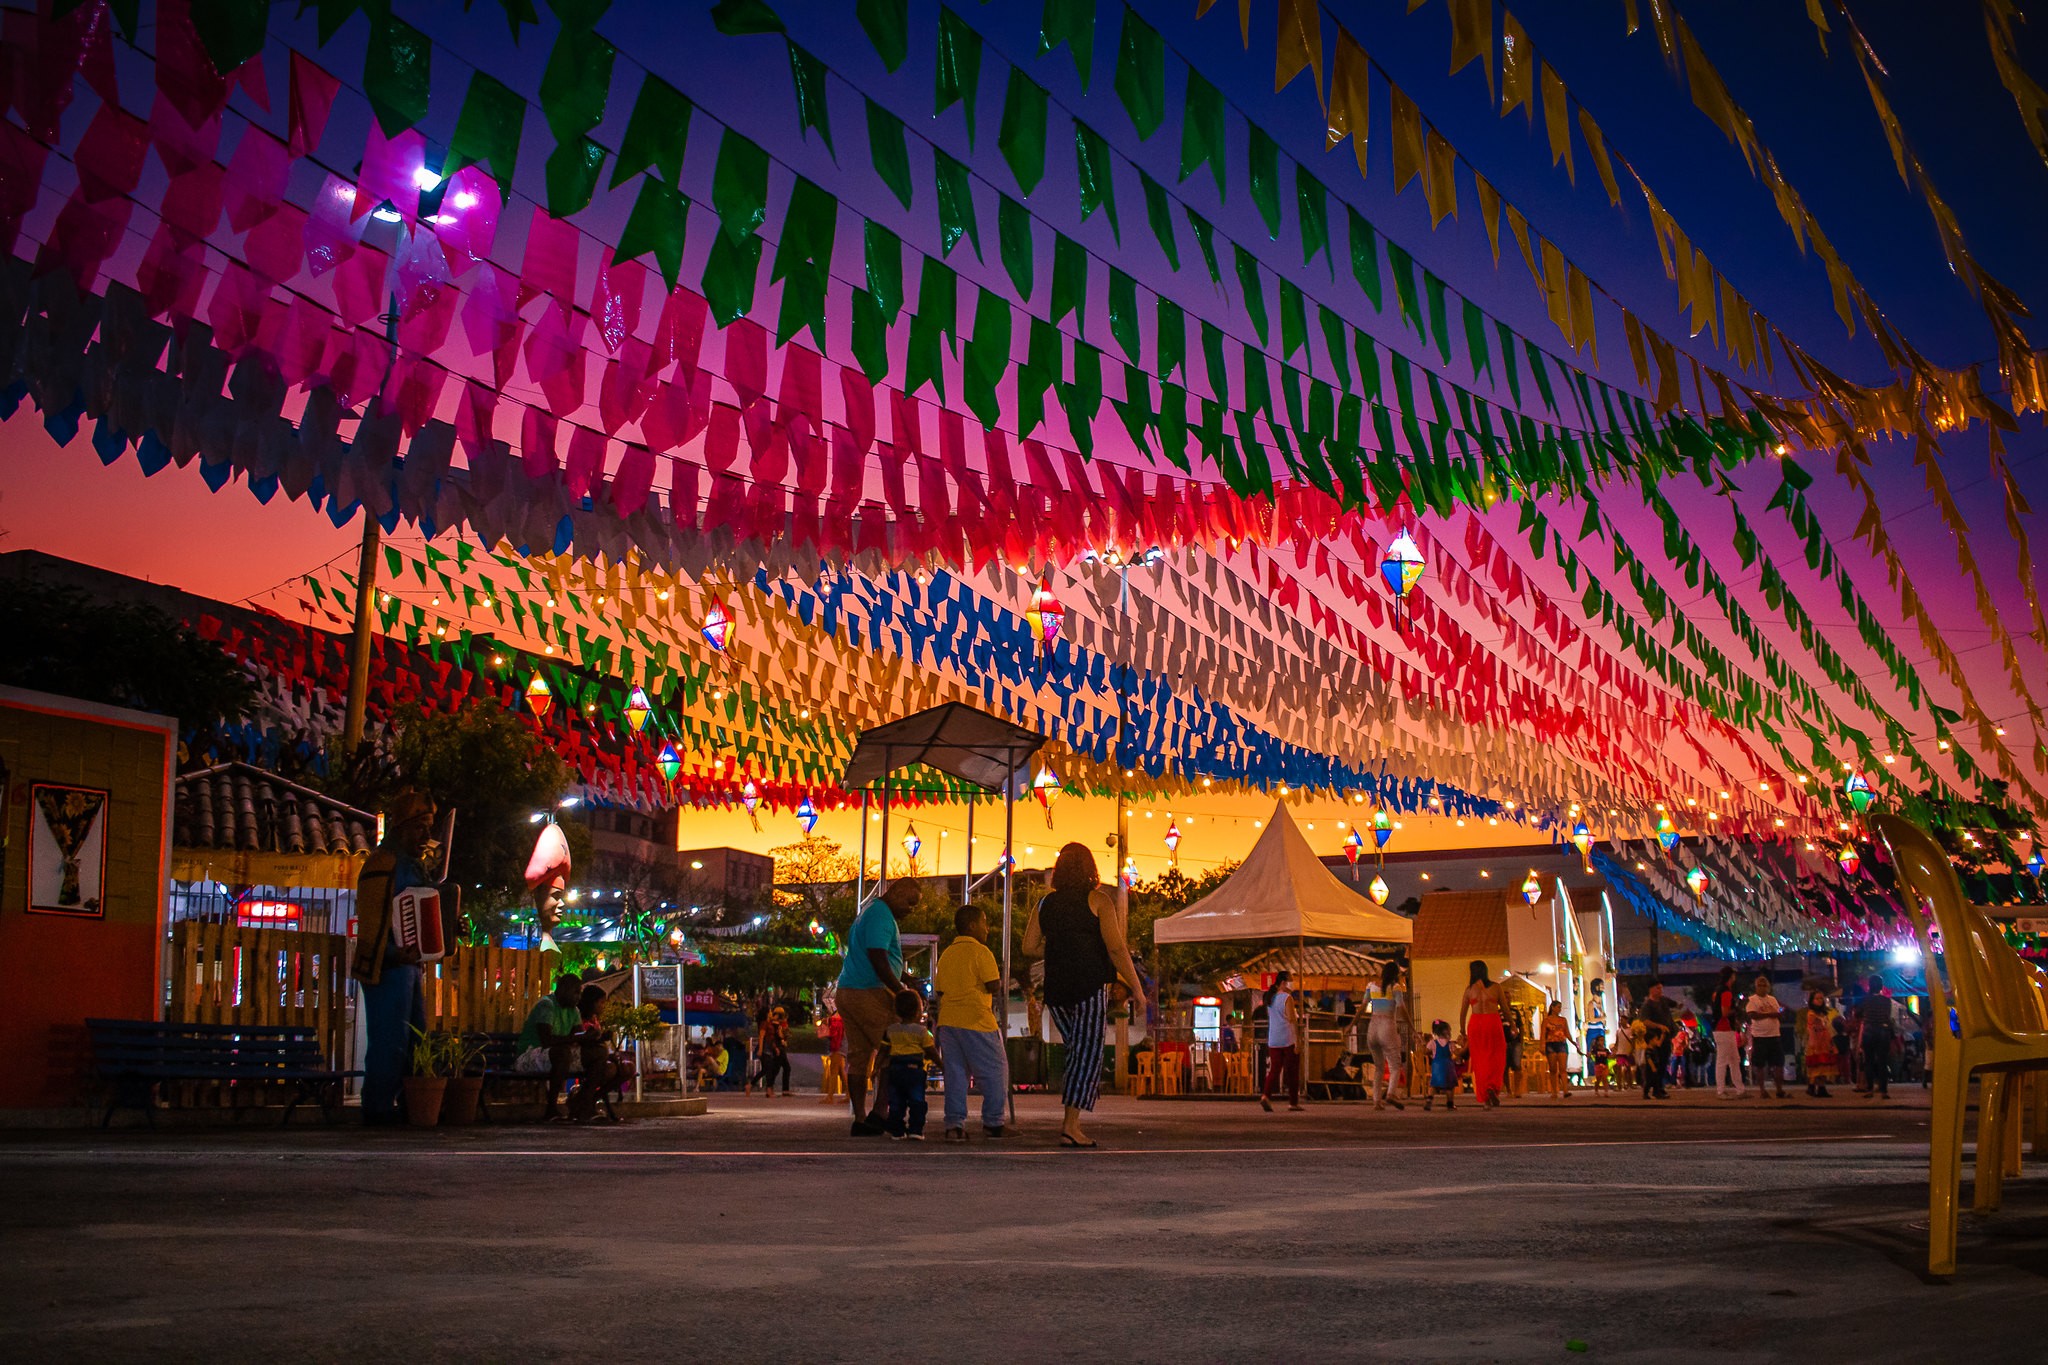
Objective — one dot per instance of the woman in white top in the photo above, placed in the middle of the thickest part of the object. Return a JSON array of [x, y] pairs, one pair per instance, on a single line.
[[1387, 1002], [1283, 1052]]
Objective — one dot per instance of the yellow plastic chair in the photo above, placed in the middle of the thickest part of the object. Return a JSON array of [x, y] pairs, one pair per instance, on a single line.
[[1170, 1074], [1145, 1074], [2001, 1030]]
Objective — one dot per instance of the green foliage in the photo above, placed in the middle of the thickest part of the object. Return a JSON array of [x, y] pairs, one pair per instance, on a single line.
[[440, 1054], [632, 1023], [61, 640], [1198, 963]]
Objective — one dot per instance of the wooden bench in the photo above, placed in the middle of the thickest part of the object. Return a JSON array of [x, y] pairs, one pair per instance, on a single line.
[[133, 1056]]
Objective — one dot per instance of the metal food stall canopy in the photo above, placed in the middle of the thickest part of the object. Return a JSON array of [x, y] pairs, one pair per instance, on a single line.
[[982, 750], [1282, 890]]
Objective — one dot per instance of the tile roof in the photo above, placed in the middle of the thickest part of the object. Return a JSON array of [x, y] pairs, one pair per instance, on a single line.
[[237, 808], [1316, 959], [1467, 924]]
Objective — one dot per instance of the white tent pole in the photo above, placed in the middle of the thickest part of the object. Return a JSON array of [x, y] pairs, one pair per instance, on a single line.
[[967, 873], [860, 875]]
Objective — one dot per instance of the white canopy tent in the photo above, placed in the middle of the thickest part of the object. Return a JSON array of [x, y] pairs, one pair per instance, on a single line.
[[1282, 891]]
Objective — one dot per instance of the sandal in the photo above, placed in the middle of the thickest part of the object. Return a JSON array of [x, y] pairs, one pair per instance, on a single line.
[[1068, 1140]]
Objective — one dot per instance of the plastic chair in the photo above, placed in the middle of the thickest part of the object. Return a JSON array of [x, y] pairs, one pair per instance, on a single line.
[[1172, 1079], [2001, 1030], [1145, 1073]]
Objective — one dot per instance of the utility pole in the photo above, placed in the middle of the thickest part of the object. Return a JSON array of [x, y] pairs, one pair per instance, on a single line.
[[1123, 899], [366, 586]]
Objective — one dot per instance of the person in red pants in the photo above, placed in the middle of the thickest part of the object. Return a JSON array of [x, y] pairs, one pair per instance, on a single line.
[[1479, 1022], [1283, 1045]]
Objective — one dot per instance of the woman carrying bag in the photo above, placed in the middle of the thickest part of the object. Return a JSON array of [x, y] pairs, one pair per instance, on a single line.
[[1088, 968]]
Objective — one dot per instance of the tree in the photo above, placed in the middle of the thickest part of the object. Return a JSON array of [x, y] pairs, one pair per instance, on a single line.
[[131, 654], [811, 878], [493, 769]]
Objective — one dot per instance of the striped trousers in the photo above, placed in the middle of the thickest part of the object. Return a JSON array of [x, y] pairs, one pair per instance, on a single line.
[[1081, 1027]]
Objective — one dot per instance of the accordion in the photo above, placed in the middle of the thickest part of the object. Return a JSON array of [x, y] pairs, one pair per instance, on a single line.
[[416, 922]]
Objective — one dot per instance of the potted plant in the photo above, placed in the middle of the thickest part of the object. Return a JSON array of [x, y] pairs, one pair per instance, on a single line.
[[631, 1025], [433, 1062], [465, 1079]]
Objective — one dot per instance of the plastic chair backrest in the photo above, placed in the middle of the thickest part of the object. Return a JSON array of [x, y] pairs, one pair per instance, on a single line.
[[1980, 963]]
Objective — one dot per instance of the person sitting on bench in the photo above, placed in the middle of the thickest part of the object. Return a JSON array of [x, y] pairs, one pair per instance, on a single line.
[[549, 1045]]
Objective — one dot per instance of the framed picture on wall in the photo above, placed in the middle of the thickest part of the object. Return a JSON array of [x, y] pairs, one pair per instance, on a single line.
[[67, 850]]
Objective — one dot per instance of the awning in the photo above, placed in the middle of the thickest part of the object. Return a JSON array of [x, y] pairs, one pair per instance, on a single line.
[[1282, 890], [954, 739]]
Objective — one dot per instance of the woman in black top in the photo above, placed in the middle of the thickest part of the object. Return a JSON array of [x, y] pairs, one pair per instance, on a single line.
[[1076, 929]]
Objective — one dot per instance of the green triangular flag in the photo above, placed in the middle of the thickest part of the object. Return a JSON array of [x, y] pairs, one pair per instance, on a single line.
[[1205, 238], [1141, 74], [956, 204], [572, 172], [1071, 22], [231, 31], [1159, 213], [1201, 130], [1254, 292], [1093, 165], [887, 24], [487, 131], [1264, 158], [1312, 203], [959, 68], [807, 74], [888, 151], [1069, 280], [656, 225], [576, 82], [1123, 312], [1013, 237], [656, 134], [1022, 135], [397, 72]]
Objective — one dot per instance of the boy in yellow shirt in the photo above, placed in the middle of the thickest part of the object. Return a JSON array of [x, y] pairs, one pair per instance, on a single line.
[[967, 982], [906, 1043]]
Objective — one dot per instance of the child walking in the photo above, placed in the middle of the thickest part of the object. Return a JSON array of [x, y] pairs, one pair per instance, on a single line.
[[1443, 1065], [907, 1043]]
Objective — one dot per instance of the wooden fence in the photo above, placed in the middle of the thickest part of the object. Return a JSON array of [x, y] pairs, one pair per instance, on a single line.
[[226, 974], [486, 990]]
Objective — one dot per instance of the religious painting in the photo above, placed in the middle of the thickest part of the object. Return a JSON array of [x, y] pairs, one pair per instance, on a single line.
[[67, 850]]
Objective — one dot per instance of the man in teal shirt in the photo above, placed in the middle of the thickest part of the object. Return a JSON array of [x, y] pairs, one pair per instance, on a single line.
[[868, 984]]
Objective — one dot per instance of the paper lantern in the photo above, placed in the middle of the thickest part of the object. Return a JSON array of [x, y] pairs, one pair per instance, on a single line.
[[1045, 617], [1582, 840], [1382, 828], [1172, 842], [1849, 859], [717, 624], [1696, 880], [1402, 567], [1130, 873], [807, 815], [911, 843], [1006, 862], [1378, 891], [1860, 795], [1532, 889], [2035, 864], [669, 761], [750, 798], [1046, 787], [638, 709], [1667, 833], [1353, 846], [540, 698]]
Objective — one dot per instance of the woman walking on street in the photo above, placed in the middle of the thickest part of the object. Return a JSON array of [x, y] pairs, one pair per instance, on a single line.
[[1387, 1003], [1515, 1031], [1283, 1050], [775, 1050], [1728, 1017], [1557, 1042], [1479, 1022], [1088, 968]]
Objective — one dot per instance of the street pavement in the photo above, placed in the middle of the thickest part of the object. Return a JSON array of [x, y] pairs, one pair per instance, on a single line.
[[1697, 1230]]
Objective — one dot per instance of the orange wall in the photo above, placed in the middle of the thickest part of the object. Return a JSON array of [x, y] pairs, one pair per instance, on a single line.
[[56, 971]]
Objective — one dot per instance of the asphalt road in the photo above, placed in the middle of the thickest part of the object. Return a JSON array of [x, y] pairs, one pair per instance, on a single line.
[[1698, 1231]]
